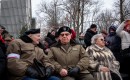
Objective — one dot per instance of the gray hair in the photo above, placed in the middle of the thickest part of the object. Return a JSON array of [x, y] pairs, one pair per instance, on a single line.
[[95, 37]]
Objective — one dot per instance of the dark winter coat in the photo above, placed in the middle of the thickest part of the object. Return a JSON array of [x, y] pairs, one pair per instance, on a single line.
[[113, 42], [87, 38], [74, 56], [2, 65]]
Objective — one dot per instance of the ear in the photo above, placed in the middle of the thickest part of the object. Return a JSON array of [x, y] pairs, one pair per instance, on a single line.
[[30, 35]]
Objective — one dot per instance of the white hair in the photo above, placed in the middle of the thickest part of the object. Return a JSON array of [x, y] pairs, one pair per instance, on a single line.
[[95, 37]]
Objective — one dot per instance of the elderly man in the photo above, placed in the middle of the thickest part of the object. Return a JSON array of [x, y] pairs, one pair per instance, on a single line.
[[70, 60], [24, 56]]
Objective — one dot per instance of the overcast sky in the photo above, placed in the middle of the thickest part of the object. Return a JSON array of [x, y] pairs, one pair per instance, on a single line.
[[35, 3]]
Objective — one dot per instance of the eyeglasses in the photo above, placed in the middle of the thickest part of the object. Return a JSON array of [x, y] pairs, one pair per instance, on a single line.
[[67, 34], [8, 40], [102, 39]]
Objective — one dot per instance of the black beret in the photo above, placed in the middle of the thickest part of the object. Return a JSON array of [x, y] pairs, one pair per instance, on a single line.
[[32, 31], [63, 29]]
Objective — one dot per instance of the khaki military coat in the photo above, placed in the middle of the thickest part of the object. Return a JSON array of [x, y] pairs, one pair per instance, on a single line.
[[27, 51], [74, 56]]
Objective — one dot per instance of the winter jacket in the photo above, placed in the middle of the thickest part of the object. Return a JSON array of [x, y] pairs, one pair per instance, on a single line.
[[113, 42], [26, 52], [125, 36], [102, 58], [87, 38], [75, 56]]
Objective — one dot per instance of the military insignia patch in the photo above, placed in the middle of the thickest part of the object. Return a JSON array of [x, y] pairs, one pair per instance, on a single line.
[[64, 29], [74, 48]]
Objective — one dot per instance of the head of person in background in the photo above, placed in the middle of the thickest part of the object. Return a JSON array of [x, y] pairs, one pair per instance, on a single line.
[[112, 30], [104, 33], [2, 28], [32, 36], [98, 40], [64, 34], [81, 36], [127, 26], [93, 28], [51, 34]]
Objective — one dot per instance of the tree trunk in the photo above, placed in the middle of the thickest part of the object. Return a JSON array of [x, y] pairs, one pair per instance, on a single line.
[[78, 26], [82, 16], [121, 11]]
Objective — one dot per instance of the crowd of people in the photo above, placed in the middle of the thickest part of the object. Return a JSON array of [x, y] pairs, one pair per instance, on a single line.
[[61, 56]]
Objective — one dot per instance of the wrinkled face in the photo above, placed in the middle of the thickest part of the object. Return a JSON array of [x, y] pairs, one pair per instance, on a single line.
[[100, 41], [65, 37], [35, 38]]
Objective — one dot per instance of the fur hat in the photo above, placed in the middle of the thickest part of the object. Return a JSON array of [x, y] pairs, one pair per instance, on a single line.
[[63, 29], [32, 31]]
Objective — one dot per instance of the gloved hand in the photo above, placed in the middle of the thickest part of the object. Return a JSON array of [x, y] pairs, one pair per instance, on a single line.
[[31, 72], [74, 71], [49, 71]]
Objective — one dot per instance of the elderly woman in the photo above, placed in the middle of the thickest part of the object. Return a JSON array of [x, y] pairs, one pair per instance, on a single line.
[[103, 65], [23, 53]]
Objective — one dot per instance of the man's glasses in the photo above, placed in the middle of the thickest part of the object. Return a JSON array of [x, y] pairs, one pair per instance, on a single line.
[[67, 34], [8, 40]]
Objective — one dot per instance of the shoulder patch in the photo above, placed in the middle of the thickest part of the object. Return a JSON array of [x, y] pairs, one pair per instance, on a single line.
[[74, 49]]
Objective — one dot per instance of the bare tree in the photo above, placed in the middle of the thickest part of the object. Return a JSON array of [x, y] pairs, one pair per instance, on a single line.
[[51, 13], [105, 19], [122, 9], [77, 11]]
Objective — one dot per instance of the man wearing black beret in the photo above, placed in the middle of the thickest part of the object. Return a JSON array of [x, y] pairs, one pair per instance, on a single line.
[[23, 53], [70, 60]]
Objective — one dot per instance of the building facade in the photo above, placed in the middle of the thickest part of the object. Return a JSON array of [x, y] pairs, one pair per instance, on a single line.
[[15, 14]]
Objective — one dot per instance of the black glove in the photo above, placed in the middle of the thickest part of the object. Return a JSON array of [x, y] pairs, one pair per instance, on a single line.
[[31, 72], [49, 71], [74, 71]]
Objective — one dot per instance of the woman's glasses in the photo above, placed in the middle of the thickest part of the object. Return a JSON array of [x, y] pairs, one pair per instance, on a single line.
[[102, 39]]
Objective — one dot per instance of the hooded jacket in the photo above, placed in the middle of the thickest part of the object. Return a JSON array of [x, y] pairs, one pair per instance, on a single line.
[[113, 40]]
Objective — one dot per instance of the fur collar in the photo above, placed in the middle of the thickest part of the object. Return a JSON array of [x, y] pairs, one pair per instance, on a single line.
[[26, 39]]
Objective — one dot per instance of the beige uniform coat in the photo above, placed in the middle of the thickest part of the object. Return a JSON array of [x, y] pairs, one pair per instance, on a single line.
[[27, 51], [74, 56]]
